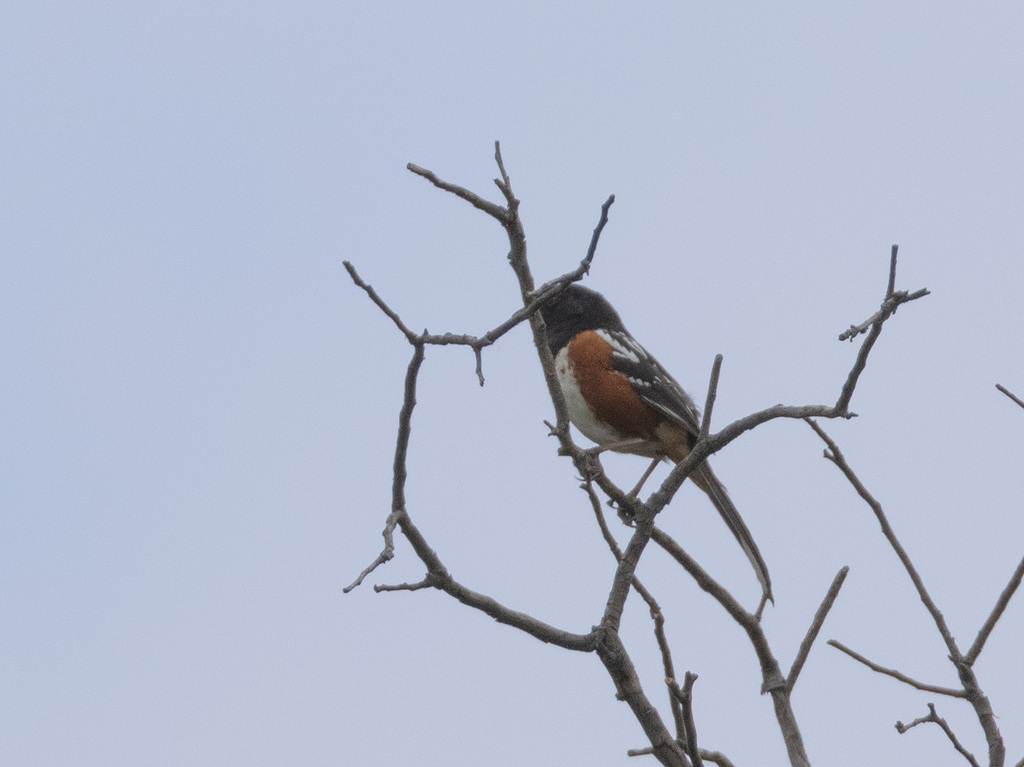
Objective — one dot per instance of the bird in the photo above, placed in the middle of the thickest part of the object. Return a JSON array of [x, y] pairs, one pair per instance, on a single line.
[[621, 398]]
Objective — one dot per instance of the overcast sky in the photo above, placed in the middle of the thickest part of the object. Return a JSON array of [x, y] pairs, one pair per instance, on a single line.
[[198, 408]]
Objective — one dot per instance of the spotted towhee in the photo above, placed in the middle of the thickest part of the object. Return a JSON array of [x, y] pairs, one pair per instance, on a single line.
[[620, 397]]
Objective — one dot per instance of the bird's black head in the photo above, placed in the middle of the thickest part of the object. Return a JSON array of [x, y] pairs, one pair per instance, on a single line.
[[574, 310]]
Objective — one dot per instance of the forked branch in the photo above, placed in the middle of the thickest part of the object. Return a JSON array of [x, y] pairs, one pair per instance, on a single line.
[[971, 691], [936, 719]]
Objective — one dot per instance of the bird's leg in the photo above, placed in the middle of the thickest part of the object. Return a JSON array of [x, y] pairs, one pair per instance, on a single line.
[[650, 470]]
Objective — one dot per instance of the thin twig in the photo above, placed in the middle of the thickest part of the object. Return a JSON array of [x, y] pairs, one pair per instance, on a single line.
[[424, 584], [592, 250], [716, 757], [893, 299], [995, 615], [504, 183], [890, 303], [385, 556], [440, 578], [815, 627], [1010, 394], [891, 288], [897, 674], [476, 343], [617, 662], [412, 337], [709, 402], [936, 719], [685, 698], [488, 207], [835, 455]]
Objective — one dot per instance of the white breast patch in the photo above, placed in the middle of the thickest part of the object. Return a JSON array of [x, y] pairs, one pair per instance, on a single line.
[[580, 414]]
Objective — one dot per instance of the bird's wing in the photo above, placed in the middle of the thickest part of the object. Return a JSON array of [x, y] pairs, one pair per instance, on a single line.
[[652, 382]]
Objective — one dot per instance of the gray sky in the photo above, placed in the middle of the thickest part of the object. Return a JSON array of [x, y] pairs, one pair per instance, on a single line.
[[198, 407]]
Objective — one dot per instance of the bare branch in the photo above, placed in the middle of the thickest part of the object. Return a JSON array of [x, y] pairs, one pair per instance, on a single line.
[[893, 299], [815, 627], [971, 689], [717, 757], [655, 609], [412, 337], [437, 574], [605, 639], [602, 523], [935, 718], [685, 698], [439, 578], [548, 290], [424, 584], [715, 442], [592, 250], [772, 680], [703, 579], [896, 674], [646, 751], [479, 354], [617, 662], [891, 288], [835, 455], [996, 614], [709, 402], [488, 207], [477, 343], [626, 570], [504, 184], [385, 556], [889, 304], [1010, 394]]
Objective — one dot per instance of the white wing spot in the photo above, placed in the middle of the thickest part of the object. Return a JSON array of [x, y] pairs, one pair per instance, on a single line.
[[618, 347]]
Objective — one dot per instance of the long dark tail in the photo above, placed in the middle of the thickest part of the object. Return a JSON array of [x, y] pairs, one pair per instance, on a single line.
[[706, 480]]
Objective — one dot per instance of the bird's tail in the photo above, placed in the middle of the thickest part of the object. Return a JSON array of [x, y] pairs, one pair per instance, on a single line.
[[706, 480]]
